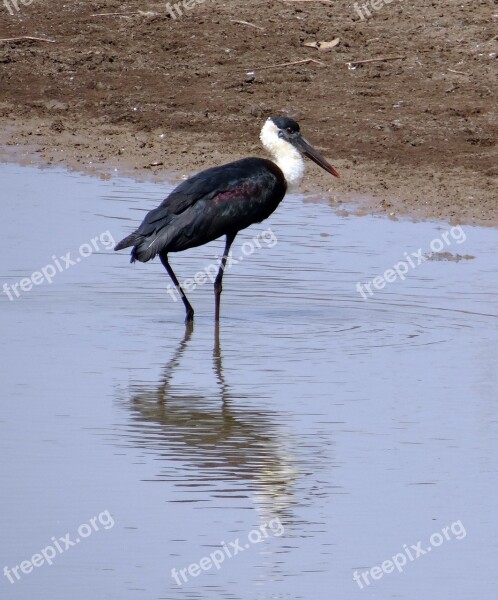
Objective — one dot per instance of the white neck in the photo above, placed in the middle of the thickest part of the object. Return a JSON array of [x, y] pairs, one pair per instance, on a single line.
[[287, 157]]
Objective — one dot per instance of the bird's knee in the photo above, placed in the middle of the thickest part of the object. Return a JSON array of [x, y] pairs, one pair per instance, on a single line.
[[218, 287]]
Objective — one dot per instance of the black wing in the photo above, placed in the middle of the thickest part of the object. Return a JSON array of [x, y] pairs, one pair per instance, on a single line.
[[207, 206]]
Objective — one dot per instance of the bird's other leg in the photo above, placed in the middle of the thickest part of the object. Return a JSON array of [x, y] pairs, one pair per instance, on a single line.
[[219, 278], [188, 307]]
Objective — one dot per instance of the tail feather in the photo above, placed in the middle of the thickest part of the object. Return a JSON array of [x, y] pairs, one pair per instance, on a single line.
[[144, 248], [131, 240], [128, 241]]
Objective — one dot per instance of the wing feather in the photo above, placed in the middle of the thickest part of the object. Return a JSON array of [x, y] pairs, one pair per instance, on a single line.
[[202, 208]]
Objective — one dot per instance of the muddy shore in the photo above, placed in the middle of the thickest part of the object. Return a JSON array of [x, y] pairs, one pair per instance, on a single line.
[[152, 93]]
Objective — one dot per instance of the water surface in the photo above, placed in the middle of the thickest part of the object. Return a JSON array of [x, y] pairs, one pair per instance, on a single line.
[[358, 425]]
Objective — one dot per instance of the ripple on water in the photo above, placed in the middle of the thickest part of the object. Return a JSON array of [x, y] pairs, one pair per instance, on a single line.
[[361, 425]]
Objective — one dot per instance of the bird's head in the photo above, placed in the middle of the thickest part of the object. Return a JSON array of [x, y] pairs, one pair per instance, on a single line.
[[282, 138]]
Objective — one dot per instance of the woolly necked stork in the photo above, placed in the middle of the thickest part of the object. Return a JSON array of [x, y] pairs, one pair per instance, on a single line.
[[222, 201]]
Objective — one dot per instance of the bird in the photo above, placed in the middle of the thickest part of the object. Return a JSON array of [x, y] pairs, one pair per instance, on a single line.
[[221, 201]]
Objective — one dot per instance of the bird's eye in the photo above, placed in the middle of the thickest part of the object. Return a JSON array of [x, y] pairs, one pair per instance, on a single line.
[[289, 130]]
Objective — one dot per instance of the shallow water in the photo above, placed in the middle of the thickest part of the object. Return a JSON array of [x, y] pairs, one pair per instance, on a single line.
[[352, 428]]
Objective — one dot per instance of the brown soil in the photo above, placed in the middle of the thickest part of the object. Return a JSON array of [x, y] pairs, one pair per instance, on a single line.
[[410, 136]]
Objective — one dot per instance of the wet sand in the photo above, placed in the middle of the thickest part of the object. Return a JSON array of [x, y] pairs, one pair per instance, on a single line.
[[148, 92]]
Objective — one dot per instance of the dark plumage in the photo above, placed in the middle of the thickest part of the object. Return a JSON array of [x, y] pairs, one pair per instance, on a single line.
[[216, 202], [222, 201], [284, 123]]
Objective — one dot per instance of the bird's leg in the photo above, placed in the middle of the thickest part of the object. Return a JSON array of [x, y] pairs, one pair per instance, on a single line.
[[188, 307], [217, 282]]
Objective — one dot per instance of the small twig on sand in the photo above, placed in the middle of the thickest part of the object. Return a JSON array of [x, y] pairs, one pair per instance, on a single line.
[[372, 60], [27, 37], [247, 23], [288, 64], [113, 14], [141, 13], [324, 1], [458, 72]]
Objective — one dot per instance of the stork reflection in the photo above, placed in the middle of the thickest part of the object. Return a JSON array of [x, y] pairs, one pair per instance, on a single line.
[[226, 445]]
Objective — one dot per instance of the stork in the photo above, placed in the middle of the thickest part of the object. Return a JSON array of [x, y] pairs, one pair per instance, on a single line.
[[222, 201]]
